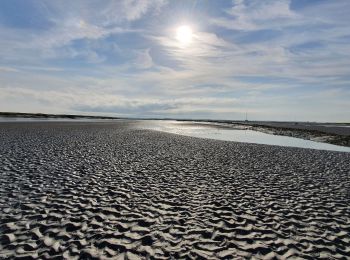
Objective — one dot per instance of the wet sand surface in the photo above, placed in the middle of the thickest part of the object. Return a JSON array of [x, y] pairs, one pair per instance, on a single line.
[[331, 128], [108, 190], [337, 134]]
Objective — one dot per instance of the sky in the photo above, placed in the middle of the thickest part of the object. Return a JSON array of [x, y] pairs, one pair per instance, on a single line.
[[272, 59]]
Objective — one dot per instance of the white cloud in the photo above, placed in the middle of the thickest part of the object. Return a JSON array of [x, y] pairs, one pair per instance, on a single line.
[[80, 19], [91, 100], [257, 14], [143, 59], [8, 69]]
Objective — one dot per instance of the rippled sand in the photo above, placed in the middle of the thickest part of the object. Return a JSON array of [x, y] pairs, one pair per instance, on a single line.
[[103, 190]]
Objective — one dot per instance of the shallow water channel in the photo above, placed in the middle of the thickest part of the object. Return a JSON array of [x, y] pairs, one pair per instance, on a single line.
[[203, 130]]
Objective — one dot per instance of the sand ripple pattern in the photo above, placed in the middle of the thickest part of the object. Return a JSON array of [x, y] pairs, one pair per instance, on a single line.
[[102, 191]]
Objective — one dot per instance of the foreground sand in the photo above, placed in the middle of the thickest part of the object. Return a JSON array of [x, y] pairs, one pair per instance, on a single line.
[[85, 190]]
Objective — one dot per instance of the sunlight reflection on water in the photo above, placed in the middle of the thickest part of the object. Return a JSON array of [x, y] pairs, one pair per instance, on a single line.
[[203, 130]]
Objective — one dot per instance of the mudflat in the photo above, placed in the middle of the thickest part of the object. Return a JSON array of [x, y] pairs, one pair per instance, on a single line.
[[109, 190]]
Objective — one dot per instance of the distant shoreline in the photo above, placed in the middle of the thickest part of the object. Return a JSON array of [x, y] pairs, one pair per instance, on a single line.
[[332, 133], [42, 115]]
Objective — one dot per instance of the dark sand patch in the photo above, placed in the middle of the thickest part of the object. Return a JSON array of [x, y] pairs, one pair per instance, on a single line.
[[105, 190]]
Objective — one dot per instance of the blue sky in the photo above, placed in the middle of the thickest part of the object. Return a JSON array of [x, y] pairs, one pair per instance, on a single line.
[[274, 59]]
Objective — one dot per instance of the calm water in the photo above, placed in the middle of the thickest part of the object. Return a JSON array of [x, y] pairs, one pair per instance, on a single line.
[[246, 136], [206, 130]]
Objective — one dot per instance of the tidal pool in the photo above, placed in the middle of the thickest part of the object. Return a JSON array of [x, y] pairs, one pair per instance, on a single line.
[[216, 131]]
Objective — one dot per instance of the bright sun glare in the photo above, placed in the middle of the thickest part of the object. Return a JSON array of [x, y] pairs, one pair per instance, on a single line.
[[184, 34]]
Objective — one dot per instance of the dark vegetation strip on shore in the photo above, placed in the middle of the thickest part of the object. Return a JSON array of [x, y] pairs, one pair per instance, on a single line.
[[41, 115]]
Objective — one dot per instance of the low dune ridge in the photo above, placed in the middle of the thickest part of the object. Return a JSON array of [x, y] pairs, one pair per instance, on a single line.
[[108, 190]]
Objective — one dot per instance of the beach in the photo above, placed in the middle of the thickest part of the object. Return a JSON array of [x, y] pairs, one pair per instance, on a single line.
[[102, 190]]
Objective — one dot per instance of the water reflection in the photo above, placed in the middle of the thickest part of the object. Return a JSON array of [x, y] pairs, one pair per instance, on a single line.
[[203, 130]]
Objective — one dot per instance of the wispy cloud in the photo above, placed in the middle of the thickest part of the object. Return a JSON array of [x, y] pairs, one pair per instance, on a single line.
[[255, 15], [271, 58], [8, 69], [143, 59]]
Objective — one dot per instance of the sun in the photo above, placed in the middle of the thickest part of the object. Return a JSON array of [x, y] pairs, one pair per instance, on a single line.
[[184, 34]]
